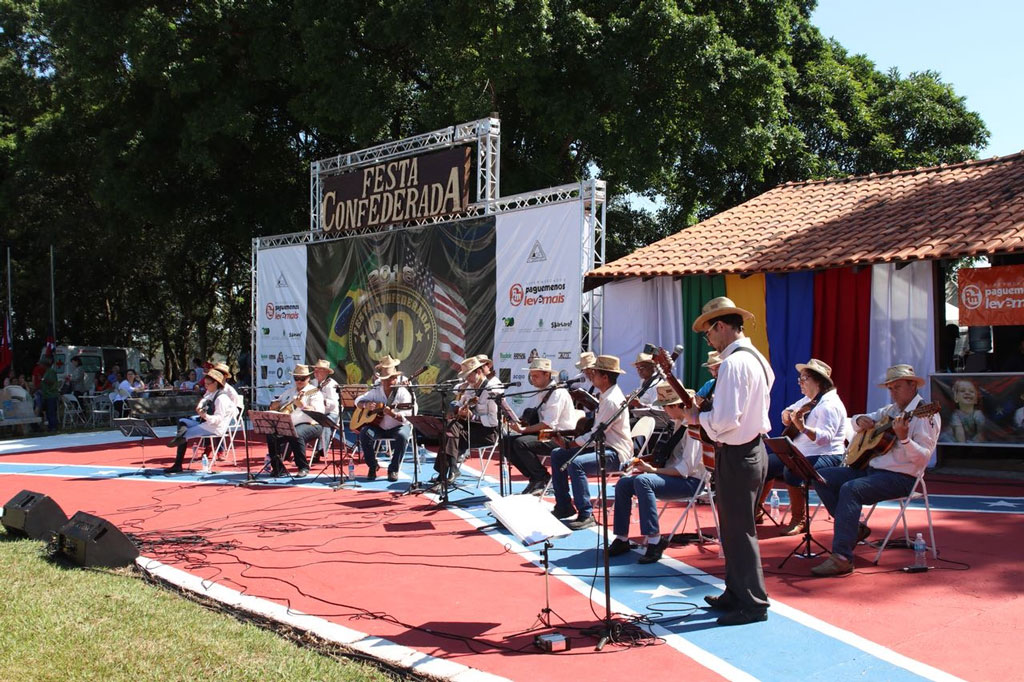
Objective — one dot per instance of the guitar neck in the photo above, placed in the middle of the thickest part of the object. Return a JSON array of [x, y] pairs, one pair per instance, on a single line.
[[664, 361]]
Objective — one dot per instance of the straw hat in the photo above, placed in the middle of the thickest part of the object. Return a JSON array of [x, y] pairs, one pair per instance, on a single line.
[[717, 307], [713, 359], [643, 358], [324, 364], [540, 365], [586, 360], [223, 369], [386, 367], [668, 396], [818, 367], [215, 375], [301, 371], [469, 365], [484, 359], [897, 372], [608, 363]]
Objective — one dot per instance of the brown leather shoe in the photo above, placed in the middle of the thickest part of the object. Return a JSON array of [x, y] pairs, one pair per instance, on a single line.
[[833, 566], [795, 527]]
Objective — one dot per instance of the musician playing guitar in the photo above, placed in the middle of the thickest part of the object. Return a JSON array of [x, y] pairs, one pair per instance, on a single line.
[[475, 422], [301, 396], [385, 396], [674, 472], [887, 476], [550, 408]]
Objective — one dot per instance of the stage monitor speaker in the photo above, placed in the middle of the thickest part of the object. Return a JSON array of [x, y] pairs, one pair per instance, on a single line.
[[91, 541], [34, 515]]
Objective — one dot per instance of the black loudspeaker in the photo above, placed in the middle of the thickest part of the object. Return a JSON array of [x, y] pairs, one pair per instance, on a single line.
[[33, 515], [91, 541]]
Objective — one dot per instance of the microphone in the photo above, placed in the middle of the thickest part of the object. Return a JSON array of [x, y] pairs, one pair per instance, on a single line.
[[563, 376], [575, 380], [418, 372]]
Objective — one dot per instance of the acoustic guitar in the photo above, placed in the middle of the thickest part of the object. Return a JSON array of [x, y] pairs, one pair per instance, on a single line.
[[792, 431], [707, 445], [879, 439], [371, 416]]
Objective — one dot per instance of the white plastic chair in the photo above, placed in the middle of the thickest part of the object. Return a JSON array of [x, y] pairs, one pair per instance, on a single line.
[[486, 454], [219, 444], [102, 410], [918, 492], [691, 504]]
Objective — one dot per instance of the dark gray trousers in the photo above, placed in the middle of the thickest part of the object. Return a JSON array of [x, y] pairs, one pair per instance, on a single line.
[[740, 472]]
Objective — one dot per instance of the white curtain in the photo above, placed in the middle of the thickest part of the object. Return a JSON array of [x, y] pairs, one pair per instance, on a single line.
[[902, 325], [636, 313]]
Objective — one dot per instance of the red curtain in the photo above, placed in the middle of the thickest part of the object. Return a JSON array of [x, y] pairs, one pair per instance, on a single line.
[[842, 321]]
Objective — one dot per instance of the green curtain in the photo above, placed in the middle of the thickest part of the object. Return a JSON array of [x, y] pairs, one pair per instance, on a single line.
[[697, 290]]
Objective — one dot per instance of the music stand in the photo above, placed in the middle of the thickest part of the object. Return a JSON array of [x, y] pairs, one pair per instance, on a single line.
[[583, 400], [270, 424], [526, 517], [661, 420], [796, 462], [131, 427], [326, 422]]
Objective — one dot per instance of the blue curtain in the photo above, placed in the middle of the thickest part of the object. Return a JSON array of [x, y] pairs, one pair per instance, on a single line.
[[789, 301]]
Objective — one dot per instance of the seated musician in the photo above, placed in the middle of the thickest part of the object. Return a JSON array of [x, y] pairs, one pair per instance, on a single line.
[[645, 369], [888, 476], [618, 448], [213, 415], [585, 364], [301, 396], [550, 409], [395, 403], [475, 422], [817, 426], [707, 391], [674, 473], [331, 392], [236, 397]]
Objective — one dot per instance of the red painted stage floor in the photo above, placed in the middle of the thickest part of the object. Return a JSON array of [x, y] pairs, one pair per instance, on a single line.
[[443, 582]]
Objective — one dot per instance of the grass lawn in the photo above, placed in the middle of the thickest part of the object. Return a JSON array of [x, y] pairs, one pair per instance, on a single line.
[[61, 622]]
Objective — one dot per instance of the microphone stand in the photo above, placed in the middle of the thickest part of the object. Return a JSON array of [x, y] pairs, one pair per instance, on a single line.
[[606, 631]]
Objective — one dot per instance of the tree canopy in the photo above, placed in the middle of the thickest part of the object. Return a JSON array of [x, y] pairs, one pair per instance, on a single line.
[[149, 142]]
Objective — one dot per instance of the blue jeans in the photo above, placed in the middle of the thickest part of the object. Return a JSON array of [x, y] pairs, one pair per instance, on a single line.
[[400, 435], [846, 490], [648, 489], [576, 473], [817, 461]]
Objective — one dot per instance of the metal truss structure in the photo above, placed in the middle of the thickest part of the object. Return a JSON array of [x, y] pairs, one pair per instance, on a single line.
[[592, 195]]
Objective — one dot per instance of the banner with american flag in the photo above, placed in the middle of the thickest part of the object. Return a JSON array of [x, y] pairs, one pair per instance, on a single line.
[[424, 296]]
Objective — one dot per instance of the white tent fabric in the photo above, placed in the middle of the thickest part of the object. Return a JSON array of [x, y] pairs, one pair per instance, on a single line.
[[638, 312], [902, 325]]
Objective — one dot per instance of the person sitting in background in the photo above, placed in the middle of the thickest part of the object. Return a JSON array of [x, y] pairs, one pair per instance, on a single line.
[[114, 376], [189, 383], [645, 370], [130, 387], [101, 384]]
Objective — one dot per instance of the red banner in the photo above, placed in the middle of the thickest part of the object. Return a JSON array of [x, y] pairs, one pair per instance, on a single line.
[[991, 296]]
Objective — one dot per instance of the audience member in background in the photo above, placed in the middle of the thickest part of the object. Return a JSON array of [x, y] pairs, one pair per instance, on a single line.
[[79, 378], [114, 376], [157, 381], [197, 366], [130, 387], [189, 382], [101, 383], [50, 390]]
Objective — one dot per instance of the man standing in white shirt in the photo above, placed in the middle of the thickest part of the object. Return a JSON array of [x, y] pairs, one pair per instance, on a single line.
[[736, 422]]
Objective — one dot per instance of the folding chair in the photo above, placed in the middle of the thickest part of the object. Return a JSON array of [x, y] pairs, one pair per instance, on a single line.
[[918, 492], [102, 410], [486, 454], [691, 504], [219, 444], [73, 413]]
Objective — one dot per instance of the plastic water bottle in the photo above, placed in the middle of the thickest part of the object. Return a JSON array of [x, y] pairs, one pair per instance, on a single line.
[[920, 552], [351, 469], [774, 503], [423, 456], [206, 465]]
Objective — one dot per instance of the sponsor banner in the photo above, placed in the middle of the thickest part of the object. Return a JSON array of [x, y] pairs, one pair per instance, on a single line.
[[538, 285], [991, 296], [980, 409], [280, 317], [427, 186], [424, 296]]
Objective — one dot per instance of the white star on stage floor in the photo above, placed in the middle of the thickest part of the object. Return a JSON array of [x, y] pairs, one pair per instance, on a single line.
[[107, 472], [662, 591], [1001, 503]]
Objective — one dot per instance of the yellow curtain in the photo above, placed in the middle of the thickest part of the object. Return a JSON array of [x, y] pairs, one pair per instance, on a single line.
[[748, 293]]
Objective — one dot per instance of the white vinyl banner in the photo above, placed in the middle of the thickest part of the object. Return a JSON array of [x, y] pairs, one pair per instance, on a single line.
[[280, 318], [538, 281]]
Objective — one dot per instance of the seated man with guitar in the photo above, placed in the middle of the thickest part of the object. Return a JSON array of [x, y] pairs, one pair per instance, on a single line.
[[475, 422], [817, 426], [671, 473], [645, 370], [214, 413], [551, 410], [618, 448], [380, 413], [904, 434], [301, 396]]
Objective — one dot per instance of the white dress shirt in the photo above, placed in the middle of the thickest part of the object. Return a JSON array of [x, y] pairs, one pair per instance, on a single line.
[[739, 412], [828, 421], [488, 395], [686, 456], [400, 395], [557, 412], [617, 434], [911, 457], [332, 400], [312, 400]]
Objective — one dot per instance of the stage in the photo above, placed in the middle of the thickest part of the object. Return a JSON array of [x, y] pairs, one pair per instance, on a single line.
[[447, 592]]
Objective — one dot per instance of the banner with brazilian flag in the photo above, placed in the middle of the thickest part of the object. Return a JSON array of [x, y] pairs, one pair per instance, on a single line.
[[423, 295]]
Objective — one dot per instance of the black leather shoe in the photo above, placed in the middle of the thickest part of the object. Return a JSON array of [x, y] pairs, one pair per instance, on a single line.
[[720, 602], [654, 552], [176, 441], [564, 512], [371, 475], [862, 532], [278, 473], [302, 473], [173, 470], [618, 547], [582, 522], [392, 476], [743, 617]]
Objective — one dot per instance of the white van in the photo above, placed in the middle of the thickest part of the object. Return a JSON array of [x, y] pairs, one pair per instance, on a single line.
[[91, 357]]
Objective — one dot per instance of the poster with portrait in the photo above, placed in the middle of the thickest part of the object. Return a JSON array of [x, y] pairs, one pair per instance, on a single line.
[[980, 409]]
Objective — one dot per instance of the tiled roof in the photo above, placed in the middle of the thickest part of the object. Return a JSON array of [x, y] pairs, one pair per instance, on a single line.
[[946, 211]]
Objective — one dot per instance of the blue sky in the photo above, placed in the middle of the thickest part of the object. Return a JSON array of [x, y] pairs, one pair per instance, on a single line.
[[977, 47]]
